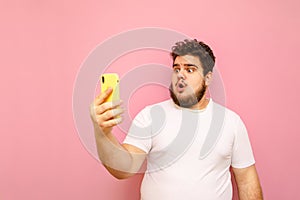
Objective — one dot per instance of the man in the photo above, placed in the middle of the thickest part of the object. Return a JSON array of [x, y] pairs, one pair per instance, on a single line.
[[189, 141]]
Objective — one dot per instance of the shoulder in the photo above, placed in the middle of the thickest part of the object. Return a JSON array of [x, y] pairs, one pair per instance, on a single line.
[[229, 116]]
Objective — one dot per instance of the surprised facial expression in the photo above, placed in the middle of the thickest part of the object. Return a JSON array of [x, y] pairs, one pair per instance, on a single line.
[[188, 82]]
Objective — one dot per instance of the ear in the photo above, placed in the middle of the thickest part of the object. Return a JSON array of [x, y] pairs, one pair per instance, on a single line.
[[208, 78]]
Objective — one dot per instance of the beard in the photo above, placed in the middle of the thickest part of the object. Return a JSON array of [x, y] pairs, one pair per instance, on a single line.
[[189, 100]]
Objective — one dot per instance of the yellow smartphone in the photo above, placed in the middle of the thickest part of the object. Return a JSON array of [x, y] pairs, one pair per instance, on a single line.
[[111, 80]]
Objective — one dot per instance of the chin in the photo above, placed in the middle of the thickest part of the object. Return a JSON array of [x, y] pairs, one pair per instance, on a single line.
[[186, 100], [183, 97]]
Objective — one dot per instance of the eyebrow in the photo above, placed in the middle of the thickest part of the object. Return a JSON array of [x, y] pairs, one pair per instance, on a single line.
[[186, 65]]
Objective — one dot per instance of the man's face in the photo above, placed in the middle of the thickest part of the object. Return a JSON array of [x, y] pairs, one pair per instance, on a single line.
[[188, 84]]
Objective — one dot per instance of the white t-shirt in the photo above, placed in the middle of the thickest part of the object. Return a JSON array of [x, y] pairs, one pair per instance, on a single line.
[[189, 151]]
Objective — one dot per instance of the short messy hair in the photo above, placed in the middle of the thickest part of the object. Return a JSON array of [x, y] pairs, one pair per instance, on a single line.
[[195, 48]]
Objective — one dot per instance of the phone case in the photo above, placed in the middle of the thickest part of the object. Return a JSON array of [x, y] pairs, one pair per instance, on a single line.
[[111, 80]]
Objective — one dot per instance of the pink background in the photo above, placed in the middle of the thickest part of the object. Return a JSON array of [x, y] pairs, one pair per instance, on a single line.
[[43, 44]]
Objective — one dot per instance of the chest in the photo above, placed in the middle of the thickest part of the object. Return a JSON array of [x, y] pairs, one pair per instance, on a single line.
[[183, 139]]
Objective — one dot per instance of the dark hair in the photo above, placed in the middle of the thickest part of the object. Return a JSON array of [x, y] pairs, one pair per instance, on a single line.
[[195, 48]]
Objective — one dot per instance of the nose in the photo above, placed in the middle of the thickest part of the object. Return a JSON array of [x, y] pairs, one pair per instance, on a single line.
[[180, 74]]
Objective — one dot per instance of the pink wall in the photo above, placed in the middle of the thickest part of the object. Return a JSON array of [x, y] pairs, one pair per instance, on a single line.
[[44, 43]]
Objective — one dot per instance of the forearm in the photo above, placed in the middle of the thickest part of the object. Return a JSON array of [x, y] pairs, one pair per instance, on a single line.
[[250, 191], [112, 154], [121, 161]]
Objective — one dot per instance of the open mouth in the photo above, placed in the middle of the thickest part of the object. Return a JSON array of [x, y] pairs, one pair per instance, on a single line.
[[180, 86]]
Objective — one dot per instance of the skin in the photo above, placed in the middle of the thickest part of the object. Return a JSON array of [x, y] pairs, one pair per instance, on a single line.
[[124, 160], [248, 184], [188, 71]]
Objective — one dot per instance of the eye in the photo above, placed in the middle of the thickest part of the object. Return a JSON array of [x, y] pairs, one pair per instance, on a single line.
[[190, 69], [176, 69]]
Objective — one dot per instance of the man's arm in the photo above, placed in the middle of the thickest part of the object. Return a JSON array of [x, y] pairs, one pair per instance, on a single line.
[[248, 183], [122, 161]]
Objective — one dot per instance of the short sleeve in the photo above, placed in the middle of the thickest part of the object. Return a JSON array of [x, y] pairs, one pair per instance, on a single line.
[[242, 156], [139, 134]]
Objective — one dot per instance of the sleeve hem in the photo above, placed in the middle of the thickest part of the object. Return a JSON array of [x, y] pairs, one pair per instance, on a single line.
[[239, 166], [137, 146]]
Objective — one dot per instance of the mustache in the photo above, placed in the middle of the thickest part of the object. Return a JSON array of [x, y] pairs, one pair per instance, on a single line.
[[180, 81]]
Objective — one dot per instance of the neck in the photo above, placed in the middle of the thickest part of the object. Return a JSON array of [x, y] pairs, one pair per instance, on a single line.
[[201, 104]]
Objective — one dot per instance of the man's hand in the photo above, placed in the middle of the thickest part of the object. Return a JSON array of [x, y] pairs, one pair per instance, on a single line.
[[105, 115]]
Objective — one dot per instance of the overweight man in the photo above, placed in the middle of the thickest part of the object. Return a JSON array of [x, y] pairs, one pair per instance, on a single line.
[[185, 146]]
